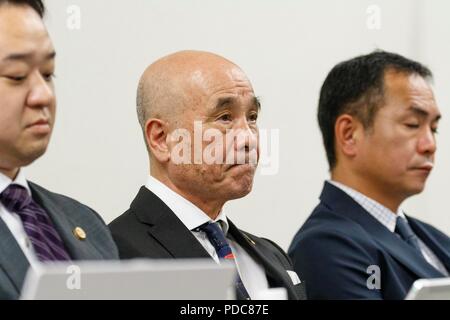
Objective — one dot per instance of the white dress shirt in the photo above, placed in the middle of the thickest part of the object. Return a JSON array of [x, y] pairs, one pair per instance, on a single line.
[[389, 219], [13, 221], [252, 274]]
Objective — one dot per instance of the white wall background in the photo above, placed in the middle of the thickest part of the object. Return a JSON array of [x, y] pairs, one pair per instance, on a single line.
[[286, 47]]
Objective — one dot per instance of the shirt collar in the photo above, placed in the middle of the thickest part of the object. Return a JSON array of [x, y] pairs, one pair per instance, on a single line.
[[384, 215], [189, 214], [222, 219], [19, 180]]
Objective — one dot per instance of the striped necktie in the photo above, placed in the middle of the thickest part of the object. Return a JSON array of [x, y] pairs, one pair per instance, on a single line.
[[47, 243], [223, 249]]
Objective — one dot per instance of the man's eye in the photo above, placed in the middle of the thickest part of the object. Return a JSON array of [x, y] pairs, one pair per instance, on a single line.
[[435, 130], [412, 125], [253, 117], [16, 78], [225, 117], [48, 76]]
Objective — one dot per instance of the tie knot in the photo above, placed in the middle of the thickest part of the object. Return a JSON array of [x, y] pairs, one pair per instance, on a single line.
[[211, 228], [15, 198], [217, 238], [403, 229]]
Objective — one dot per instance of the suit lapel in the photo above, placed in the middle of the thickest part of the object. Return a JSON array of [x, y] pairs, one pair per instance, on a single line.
[[165, 227], [77, 249], [427, 238], [344, 205], [272, 269], [12, 260]]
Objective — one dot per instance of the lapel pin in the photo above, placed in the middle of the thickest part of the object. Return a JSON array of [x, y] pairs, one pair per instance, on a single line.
[[79, 233], [250, 240]]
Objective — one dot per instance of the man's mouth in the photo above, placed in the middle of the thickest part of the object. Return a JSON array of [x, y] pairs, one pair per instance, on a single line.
[[426, 168], [41, 126]]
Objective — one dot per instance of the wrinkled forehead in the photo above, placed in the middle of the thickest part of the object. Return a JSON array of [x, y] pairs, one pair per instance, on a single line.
[[226, 78]]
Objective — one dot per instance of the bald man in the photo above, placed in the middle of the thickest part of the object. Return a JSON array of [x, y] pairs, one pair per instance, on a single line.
[[198, 113]]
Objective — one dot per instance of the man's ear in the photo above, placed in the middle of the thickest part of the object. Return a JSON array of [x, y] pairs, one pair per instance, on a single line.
[[156, 133], [348, 131]]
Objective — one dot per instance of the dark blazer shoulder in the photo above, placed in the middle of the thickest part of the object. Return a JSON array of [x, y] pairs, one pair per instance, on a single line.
[[273, 259], [333, 253], [430, 228], [341, 245], [123, 222], [131, 236], [130, 232], [150, 229], [324, 222], [326, 235], [270, 246]]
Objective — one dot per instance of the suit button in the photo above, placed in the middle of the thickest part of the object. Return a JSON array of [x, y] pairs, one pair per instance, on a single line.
[[79, 233]]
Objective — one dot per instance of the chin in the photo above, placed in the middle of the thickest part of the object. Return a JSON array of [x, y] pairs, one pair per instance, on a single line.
[[31, 155], [241, 192], [416, 189]]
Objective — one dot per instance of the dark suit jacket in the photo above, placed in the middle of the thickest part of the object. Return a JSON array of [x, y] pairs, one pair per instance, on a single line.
[[66, 214], [149, 229], [340, 241]]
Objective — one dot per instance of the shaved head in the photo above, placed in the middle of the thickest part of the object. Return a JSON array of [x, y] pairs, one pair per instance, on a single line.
[[178, 81], [181, 92]]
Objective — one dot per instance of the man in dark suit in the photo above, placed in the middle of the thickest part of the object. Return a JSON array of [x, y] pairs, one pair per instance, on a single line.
[[378, 117], [36, 225], [199, 97]]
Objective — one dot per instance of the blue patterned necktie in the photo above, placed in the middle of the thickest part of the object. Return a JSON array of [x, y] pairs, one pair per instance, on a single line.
[[223, 249], [403, 229], [47, 243]]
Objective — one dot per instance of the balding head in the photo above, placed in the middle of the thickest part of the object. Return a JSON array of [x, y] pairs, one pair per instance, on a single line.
[[178, 81], [192, 89]]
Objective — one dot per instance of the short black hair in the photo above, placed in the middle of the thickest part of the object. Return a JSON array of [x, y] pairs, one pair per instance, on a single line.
[[356, 87], [37, 5]]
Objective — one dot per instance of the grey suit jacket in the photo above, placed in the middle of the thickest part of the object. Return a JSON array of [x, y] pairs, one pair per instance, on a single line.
[[66, 214]]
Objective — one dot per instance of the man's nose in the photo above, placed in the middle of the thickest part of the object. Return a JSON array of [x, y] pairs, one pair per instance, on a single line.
[[246, 137], [41, 92], [427, 142]]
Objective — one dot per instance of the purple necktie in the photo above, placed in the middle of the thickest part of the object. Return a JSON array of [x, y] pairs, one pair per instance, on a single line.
[[46, 242]]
